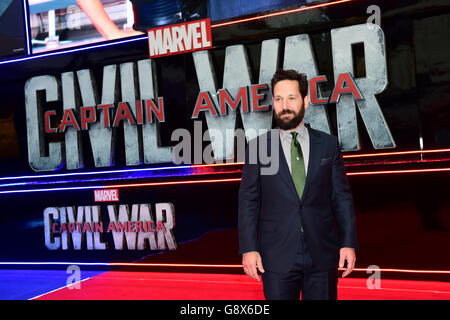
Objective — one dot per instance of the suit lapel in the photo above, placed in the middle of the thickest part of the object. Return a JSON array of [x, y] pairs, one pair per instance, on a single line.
[[284, 172], [314, 158]]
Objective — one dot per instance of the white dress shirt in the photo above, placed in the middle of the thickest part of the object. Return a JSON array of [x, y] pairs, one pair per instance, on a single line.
[[302, 138]]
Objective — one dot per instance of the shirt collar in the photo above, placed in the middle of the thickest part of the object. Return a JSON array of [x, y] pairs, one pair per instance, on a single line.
[[301, 129]]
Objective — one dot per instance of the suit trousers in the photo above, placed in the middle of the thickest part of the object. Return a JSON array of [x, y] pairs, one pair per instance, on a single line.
[[303, 278]]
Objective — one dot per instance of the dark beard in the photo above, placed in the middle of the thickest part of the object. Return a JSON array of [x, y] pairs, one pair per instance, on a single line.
[[291, 123]]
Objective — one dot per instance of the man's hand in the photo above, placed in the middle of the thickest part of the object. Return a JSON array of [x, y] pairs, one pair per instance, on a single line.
[[252, 263], [347, 254]]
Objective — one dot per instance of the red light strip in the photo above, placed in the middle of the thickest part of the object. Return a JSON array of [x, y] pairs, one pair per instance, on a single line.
[[346, 157], [128, 264], [278, 13], [402, 270], [395, 153], [239, 179], [119, 264], [169, 183], [240, 266], [215, 164], [359, 164], [398, 171]]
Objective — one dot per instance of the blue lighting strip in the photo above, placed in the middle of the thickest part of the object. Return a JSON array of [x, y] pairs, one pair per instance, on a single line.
[[51, 189], [42, 263], [51, 181], [49, 54], [94, 173], [183, 172], [27, 31]]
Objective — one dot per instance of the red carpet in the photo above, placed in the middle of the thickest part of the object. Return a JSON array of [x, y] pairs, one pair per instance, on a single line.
[[125, 285]]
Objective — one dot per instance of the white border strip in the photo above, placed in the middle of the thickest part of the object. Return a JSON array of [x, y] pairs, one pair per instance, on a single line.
[[66, 286]]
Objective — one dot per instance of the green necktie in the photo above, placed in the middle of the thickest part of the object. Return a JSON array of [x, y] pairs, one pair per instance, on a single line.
[[297, 165]]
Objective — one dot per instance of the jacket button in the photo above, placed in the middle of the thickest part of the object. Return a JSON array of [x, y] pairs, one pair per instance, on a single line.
[[301, 206]]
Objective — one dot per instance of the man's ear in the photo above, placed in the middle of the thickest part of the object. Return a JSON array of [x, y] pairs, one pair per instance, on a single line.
[[306, 102]]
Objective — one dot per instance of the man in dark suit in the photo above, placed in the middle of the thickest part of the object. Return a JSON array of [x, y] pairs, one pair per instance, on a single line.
[[287, 220]]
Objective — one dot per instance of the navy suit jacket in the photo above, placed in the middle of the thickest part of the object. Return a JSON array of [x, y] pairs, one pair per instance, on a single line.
[[271, 213]]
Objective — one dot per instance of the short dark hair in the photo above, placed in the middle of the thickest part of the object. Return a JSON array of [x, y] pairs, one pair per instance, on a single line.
[[301, 78]]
